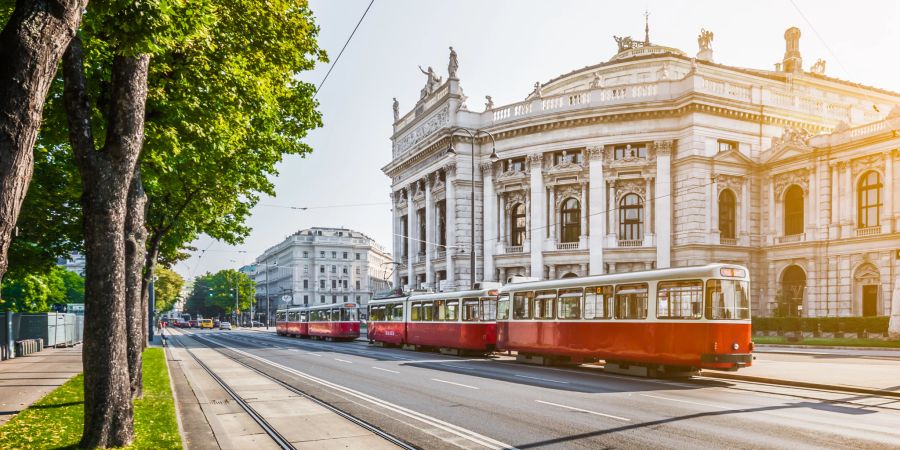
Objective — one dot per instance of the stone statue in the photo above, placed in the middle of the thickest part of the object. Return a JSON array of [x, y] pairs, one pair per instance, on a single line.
[[433, 81], [664, 71], [396, 110], [597, 82], [792, 135], [453, 65], [704, 39], [537, 90], [624, 42], [819, 67], [489, 104]]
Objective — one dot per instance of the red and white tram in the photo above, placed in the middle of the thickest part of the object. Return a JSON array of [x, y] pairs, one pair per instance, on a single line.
[[454, 322], [649, 322], [333, 322]]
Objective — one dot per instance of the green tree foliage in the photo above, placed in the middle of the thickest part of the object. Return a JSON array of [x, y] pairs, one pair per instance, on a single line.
[[74, 286], [213, 295], [167, 289], [38, 292]]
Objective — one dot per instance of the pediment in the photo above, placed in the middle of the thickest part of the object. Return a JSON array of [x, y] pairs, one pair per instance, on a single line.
[[733, 156], [787, 151]]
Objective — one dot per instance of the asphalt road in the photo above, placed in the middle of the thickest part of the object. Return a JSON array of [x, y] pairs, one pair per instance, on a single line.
[[437, 401]]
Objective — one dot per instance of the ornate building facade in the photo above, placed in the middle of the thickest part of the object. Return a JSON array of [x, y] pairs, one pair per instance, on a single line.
[[656, 159]]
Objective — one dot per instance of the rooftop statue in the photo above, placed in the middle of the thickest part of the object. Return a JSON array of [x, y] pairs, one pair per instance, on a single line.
[[433, 81], [625, 43], [819, 67], [489, 105], [704, 40], [396, 110], [453, 65]]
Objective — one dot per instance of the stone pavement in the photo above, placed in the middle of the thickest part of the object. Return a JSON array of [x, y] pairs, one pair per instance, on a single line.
[[26, 379], [210, 419]]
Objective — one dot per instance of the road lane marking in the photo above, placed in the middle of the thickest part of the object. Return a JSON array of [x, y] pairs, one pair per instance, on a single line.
[[432, 421], [685, 401], [456, 384], [542, 379], [314, 354], [386, 370], [585, 411], [343, 360]]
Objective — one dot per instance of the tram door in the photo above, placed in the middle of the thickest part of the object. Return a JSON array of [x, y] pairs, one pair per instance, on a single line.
[[870, 300]]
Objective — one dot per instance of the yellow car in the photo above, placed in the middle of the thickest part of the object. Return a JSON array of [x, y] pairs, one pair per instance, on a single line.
[[206, 323]]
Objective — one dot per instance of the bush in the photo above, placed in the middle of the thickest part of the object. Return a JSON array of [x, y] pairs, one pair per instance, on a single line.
[[823, 324]]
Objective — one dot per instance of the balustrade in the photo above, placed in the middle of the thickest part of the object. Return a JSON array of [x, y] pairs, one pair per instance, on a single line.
[[869, 231], [630, 242]]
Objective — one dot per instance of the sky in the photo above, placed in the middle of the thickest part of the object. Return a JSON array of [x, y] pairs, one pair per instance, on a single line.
[[503, 48]]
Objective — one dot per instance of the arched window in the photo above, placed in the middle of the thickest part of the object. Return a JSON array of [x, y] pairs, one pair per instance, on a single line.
[[631, 218], [793, 286], [793, 211], [571, 221], [727, 214], [570, 275], [517, 224], [869, 200]]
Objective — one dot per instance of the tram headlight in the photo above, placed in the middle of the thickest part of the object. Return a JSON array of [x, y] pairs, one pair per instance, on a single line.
[[735, 346]]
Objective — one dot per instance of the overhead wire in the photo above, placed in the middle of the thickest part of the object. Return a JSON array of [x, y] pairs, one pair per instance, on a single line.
[[343, 48]]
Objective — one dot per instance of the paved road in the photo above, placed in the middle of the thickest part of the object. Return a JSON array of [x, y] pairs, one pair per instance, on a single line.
[[437, 401]]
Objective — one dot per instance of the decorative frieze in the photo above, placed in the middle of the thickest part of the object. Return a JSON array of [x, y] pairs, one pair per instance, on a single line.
[[663, 147], [868, 162], [439, 120], [514, 198], [569, 191], [630, 186], [595, 152], [800, 177], [734, 183]]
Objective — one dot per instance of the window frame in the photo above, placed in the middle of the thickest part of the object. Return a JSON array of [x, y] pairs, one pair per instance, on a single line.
[[631, 229], [522, 298], [544, 304], [794, 215], [466, 309], [570, 220], [517, 232], [619, 301], [608, 307], [695, 315], [564, 296], [728, 212], [863, 200], [503, 304]]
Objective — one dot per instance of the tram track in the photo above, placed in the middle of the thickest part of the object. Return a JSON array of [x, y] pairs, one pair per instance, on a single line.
[[271, 431]]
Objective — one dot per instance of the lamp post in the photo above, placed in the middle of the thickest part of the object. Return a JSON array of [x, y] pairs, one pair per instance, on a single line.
[[266, 263], [494, 158]]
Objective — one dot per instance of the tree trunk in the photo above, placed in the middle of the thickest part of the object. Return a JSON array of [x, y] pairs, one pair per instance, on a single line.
[[135, 311], [106, 175], [149, 268], [31, 44]]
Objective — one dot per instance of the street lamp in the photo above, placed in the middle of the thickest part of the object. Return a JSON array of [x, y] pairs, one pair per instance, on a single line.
[[494, 158]]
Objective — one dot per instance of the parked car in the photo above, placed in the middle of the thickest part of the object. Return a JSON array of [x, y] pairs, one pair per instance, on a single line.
[[224, 325], [193, 324], [206, 323]]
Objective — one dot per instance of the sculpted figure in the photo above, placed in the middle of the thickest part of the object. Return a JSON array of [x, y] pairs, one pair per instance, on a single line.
[[396, 110], [489, 105], [704, 39], [624, 42], [433, 81], [453, 65]]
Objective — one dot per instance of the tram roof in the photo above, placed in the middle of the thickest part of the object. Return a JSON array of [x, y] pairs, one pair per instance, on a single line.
[[675, 273]]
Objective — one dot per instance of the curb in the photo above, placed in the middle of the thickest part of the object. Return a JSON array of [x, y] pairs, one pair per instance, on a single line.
[[825, 347], [802, 384]]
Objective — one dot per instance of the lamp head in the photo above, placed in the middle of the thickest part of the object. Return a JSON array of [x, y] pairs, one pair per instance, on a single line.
[[494, 157]]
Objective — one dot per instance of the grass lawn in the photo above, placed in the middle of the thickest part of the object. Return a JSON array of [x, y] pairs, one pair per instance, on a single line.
[[839, 342], [57, 419]]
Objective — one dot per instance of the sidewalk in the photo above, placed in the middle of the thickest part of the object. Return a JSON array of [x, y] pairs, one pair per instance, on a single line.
[[26, 379], [211, 419]]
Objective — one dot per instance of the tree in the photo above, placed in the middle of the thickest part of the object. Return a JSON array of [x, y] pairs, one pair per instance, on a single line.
[[31, 44], [26, 294], [167, 288], [74, 286], [214, 295]]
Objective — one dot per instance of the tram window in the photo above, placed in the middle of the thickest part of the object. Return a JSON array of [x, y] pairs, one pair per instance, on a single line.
[[335, 315], [488, 309], [727, 300], [313, 316], [415, 313], [679, 299], [376, 313], [452, 310], [544, 304], [522, 305], [279, 316], [569, 304], [503, 307], [470, 310], [349, 315], [303, 317], [428, 311], [598, 302], [397, 313], [631, 301], [440, 310]]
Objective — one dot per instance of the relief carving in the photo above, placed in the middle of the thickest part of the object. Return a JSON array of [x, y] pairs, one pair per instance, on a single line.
[[514, 198], [732, 182], [630, 186], [800, 177], [663, 148], [434, 123], [595, 152], [868, 162], [570, 191]]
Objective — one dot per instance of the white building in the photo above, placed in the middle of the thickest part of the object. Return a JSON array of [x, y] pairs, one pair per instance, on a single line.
[[322, 265], [657, 159]]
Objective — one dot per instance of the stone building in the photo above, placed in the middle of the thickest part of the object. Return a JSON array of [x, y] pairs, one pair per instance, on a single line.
[[322, 265], [655, 159]]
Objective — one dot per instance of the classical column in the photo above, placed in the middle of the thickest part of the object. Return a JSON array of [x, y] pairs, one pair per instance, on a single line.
[[612, 211], [552, 214], [450, 220], [887, 219], [502, 237], [429, 232], [713, 216], [835, 196], [599, 218], [663, 204], [744, 222], [411, 237], [398, 239], [489, 221], [538, 219], [847, 206], [582, 239], [772, 206], [651, 202]]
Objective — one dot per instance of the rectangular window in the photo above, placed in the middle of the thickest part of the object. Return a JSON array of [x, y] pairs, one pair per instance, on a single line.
[[345, 270], [305, 254], [345, 284], [306, 268], [488, 309], [335, 314], [727, 300], [333, 284], [452, 310], [376, 313], [333, 269], [679, 299], [725, 145], [305, 284], [470, 310], [428, 311], [357, 256], [322, 284], [544, 304], [503, 307], [522, 305], [334, 299], [357, 285], [322, 254], [598, 302], [321, 269], [415, 312], [345, 255], [357, 299], [567, 156], [569, 304], [304, 317], [631, 301], [305, 299], [322, 298], [628, 151], [345, 299], [514, 165], [333, 255]]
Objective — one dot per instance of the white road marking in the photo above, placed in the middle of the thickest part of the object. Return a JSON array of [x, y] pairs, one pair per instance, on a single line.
[[685, 401], [386, 370], [542, 379], [314, 354], [432, 421], [343, 360], [455, 384], [585, 411]]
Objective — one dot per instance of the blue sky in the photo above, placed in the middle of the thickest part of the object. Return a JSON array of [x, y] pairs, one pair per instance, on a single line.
[[503, 48]]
